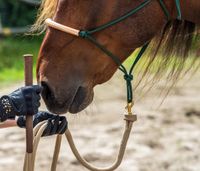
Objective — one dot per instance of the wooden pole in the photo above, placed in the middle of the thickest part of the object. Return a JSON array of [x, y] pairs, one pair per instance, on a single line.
[[28, 68]]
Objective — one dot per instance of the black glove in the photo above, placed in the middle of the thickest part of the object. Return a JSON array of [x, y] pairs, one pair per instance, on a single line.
[[56, 124], [23, 101]]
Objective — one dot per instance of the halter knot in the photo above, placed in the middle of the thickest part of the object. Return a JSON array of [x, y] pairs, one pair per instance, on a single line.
[[128, 77], [83, 34]]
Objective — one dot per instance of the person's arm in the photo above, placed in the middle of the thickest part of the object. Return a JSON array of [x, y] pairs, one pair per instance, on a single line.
[[8, 124]]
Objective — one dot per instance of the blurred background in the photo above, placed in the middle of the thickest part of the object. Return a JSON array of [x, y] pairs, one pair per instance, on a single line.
[[165, 137], [16, 17]]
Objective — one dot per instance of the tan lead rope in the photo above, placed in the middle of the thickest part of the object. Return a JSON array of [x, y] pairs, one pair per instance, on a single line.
[[129, 122], [56, 153], [39, 129]]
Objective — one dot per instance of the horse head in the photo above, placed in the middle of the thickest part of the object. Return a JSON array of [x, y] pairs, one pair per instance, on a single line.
[[70, 67]]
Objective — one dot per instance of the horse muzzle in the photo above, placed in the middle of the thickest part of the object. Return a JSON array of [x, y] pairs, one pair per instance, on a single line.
[[60, 101]]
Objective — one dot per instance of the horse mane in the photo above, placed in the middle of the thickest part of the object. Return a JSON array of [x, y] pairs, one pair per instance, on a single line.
[[178, 38], [173, 51], [47, 10]]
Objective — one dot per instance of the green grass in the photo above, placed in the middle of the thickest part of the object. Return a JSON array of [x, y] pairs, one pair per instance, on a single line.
[[11, 51]]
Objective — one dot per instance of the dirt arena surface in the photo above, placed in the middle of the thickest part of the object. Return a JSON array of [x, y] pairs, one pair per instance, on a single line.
[[165, 138]]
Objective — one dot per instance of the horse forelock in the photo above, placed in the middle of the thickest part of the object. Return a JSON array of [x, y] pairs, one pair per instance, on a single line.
[[46, 10]]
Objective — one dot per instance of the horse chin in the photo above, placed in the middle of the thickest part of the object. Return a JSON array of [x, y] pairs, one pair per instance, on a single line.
[[56, 110], [80, 102], [73, 103]]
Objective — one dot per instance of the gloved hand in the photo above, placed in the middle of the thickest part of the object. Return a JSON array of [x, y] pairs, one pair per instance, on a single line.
[[23, 101], [55, 124]]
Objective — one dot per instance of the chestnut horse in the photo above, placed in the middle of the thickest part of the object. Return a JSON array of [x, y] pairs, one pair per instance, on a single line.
[[70, 67]]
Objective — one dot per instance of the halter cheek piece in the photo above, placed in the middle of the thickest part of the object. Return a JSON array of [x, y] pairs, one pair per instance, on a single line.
[[88, 34]]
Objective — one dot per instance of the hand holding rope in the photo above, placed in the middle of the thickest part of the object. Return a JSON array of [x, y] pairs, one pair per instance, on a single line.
[[55, 124]]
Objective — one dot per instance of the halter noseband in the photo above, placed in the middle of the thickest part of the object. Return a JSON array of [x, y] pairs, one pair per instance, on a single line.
[[87, 34]]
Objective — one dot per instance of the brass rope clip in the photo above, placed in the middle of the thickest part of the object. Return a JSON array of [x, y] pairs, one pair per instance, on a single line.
[[129, 108]]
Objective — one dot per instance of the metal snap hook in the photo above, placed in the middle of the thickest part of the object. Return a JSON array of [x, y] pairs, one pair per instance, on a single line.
[[129, 108]]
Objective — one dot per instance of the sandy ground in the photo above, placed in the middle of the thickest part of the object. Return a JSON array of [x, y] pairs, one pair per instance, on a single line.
[[165, 138]]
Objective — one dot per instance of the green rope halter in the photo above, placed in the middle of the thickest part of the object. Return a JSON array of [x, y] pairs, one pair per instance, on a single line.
[[178, 7], [165, 10], [87, 34]]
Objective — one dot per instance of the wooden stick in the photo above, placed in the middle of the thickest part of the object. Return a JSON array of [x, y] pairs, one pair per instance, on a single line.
[[61, 27], [28, 68]]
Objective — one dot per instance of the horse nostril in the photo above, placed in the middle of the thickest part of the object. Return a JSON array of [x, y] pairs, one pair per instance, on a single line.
[[46, 91]]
